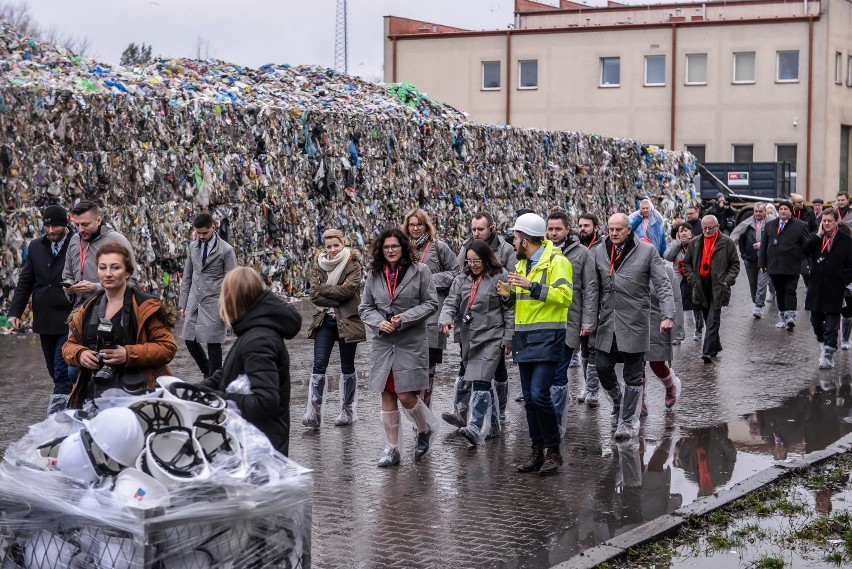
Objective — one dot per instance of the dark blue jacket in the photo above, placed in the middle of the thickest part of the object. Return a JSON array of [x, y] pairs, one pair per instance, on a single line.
[[40, 278]]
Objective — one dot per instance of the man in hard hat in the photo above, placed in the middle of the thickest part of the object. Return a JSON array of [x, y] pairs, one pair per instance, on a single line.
[[540, 289]]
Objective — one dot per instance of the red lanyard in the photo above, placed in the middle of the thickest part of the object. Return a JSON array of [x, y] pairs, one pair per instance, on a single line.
[[473, 288], [827, 241], [612, 261], [592, 242], [391, 281], [425, 250], [83, 256]]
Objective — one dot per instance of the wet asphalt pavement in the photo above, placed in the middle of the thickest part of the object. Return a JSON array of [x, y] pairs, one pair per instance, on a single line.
[[763, 400]]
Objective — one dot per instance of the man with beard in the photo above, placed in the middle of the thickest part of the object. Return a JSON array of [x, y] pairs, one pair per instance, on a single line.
[[843, 209], [588, 230]]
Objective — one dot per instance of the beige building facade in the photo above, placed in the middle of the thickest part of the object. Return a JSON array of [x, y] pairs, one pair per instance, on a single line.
[[739, 81]]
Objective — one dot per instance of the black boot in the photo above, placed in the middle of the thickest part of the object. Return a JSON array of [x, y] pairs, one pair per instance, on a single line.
[[502, 389], [422, 446], [535, 460], [461, 403], [552, 462]]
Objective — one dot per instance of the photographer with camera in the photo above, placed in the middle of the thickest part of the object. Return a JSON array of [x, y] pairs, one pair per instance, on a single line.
[[121, 337]]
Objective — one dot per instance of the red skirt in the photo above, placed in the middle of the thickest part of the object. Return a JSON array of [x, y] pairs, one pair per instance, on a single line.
[[389, 386]]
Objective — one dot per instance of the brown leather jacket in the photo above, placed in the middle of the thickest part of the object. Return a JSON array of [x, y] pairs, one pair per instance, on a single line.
[[151, 353], [343, 299]]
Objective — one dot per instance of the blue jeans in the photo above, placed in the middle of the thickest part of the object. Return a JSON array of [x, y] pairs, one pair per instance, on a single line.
[[324, 339], [51, 347], [536, 379], [560, 374]]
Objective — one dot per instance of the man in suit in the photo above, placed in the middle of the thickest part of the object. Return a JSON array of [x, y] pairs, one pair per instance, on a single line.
[[781, 254], [208, 260], [41, 279]]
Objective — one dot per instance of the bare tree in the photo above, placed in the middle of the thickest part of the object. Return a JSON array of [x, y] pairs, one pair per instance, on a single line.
[[18, 14], [202, 47]]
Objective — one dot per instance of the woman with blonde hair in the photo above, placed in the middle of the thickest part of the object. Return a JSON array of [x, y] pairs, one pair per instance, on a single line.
[[335, 282], [444, 265], [258, 360]]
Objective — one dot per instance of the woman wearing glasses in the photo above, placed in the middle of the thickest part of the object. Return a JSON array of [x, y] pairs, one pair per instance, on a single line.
[[444, 265], [399, 297], [484, 326]]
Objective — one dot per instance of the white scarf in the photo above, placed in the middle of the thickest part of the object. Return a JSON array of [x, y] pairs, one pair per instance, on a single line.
[[334, 267]]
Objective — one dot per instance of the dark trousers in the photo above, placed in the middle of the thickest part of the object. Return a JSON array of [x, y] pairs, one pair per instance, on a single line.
[[605, 362], [587, 350], [826, 326], [324, 339], [785, 291], [501, 374], [712, 320], [752, 272], [560, 374], [51, 347], [209, 362], [536, 379]]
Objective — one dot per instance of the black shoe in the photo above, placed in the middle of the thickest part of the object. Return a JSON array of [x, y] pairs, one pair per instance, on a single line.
[[534, 462], [422, 446], [707, 358]]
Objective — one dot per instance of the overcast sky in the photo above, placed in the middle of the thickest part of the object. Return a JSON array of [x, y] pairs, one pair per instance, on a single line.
[[255, 32]]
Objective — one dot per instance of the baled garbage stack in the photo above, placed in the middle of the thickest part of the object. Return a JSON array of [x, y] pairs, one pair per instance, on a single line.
[[278, 154]]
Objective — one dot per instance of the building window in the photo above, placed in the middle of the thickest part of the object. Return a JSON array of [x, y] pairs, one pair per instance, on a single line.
[[655, 70], [743, 153], [490, 75], [838, 68], [849, 70], [528, 74], [787, 67], [786, 153], [744, 67], [699, 151], [610, 72], [696, 69]]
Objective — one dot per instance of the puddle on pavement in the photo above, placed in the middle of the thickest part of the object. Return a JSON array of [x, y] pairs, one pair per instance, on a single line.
[[643, 481]]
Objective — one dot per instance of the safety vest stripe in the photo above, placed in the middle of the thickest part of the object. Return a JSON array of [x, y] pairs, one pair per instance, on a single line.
[[540, 326]]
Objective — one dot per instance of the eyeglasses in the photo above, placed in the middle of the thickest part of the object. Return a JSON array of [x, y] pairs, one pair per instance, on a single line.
[[415, 225], [473, 262], [391, 247]]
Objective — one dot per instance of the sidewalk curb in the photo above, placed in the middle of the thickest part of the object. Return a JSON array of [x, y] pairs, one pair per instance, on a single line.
[[670, 524]]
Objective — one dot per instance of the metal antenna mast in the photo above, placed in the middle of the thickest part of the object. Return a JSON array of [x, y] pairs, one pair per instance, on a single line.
[[341, 50]]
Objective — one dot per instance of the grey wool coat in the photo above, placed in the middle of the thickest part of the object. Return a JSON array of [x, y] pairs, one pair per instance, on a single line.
[[660, 349], [405, 351], [199, 290], [491, 327], [625, 301], [584, 304], [444, 266]]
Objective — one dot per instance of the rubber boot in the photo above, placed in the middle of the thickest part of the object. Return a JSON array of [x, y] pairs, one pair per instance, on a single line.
[[672, 385], [846, 333], [479, 423], [391, 427], [502, 390], [458, 418], [426, 422], [615, 397], [581, 397], [313, 413], [593, 384], [559, 397], [628, 421], [348, 395]]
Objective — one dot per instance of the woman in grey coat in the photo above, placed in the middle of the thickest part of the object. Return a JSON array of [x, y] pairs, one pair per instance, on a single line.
[[484, 326], [399, 297], [659, 354], [444, 265]]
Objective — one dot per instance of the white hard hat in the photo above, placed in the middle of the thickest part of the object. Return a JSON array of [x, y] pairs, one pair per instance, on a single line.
[[221, 449], [195, 404], [156, 414], [136, 489], [48, 453], [532, 224], [228, 543], [118, 433], [46, 550], [173, 456], [80, 457]]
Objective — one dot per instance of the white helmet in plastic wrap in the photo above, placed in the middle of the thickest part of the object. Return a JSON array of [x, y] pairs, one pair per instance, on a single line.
[[120, 398], [195, 404], [118, 433], [180, 539], [156, 414], [173, 456], [189, 560], [48, 453], [228, 542], [221, 448], [80, 457], [136, 489], [47, 550]]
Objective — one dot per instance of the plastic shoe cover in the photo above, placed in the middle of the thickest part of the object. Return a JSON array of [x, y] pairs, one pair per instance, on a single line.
[[672, 385], [520, 396], [392, 428], [575, 360], [757, 312], [313, 411], [846, 345], [581, 397], [58, 402], [348, 400], [827, 361], [559, 397], [845, 333], [479, 424], [494, 430], [389, 458], [628, 423], [461, 403], [790, 319], [423, 417], [501, 390], [782, 321], [592, 399]]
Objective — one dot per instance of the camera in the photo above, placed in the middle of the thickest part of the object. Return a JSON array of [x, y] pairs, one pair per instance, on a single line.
[[105, 377]]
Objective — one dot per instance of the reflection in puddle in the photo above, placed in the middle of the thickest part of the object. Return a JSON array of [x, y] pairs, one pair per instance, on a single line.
[[638, 482]]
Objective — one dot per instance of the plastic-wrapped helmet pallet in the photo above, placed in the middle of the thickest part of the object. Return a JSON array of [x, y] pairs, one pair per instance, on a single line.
[[230, 503]]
